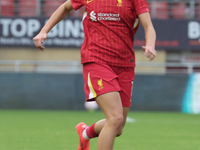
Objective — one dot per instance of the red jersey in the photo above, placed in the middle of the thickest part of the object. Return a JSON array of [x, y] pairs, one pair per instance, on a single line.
[[109, 29]]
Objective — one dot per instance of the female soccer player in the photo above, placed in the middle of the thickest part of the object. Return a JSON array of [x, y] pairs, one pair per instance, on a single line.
[[108, 60]]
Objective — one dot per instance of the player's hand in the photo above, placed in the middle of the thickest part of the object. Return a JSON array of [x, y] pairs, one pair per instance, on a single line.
[[39, 39], [149, 52]]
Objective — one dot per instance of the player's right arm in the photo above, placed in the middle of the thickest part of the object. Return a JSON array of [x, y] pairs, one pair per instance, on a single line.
[[55, 18]]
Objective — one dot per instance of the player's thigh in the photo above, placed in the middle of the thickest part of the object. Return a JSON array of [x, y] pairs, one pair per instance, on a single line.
[[110, 104]]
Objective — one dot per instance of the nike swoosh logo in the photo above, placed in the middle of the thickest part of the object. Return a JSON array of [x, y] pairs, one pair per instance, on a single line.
[[88, 1]]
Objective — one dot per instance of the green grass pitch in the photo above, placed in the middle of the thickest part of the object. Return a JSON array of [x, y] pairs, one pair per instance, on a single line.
[[55, 130]]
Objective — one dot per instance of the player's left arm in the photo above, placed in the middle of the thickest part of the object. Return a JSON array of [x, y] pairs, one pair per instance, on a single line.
[[150, 35]]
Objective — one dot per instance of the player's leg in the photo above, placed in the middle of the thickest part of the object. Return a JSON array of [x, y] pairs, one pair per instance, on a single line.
[[125, 80], [99, 125], [111, 106], [126, 77], [98, 80], [125, 114], [95, 129]]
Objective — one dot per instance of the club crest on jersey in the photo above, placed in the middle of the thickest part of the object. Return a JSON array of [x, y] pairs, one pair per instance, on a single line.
[[100, 83], [119, 3]]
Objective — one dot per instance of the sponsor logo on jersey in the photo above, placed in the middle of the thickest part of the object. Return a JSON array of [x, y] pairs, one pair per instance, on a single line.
[[93, 16], [104, 16]]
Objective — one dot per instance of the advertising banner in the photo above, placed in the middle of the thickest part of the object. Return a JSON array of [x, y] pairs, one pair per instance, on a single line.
[[20, 32], [171, 34]]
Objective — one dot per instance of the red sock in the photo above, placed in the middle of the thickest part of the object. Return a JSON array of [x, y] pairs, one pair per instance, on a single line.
[[90, 132]]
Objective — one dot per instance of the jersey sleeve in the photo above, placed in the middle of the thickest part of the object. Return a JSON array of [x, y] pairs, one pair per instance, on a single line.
[[140, 6], [76, 4]]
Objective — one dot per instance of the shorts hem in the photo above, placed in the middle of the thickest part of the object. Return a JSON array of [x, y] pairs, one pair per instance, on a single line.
[[126, 105], [100, 93]]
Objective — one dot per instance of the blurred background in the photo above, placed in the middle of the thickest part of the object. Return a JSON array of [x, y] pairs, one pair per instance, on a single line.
[[31, 79]]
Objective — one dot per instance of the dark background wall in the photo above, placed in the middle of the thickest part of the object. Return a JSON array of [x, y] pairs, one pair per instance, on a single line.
[[159, 92], [65, 91]]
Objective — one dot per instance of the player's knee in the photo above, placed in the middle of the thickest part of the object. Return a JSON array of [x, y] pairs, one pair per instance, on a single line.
[[117, 121]]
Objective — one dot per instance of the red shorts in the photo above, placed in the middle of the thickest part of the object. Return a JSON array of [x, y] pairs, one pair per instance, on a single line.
[[102, 78]]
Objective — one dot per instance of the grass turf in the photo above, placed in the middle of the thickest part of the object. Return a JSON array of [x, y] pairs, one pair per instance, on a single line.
[[55, 130]]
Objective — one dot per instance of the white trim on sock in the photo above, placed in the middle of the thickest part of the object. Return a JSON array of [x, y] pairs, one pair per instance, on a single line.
[[85, 134]]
